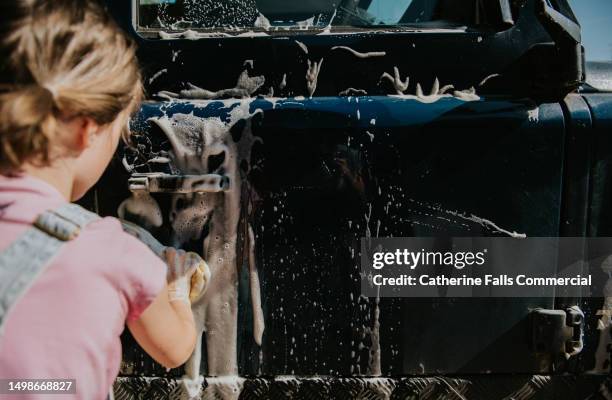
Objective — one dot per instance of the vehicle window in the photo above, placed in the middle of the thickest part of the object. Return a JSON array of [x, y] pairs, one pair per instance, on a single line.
[[270, 15]]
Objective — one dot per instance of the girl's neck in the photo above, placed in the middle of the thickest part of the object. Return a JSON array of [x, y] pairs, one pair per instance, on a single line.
[[59, 175]]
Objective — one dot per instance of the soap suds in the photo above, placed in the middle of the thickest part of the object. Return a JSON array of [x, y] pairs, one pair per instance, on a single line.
[[195, 35], [312, 76], [328, 28], [262, 22], [190, 35], [489, 224], [245, 87], [353, 92], [534, 115], [374, 353], [485, 80], [159, 160], [400, 85], [302, 46], [466, 95], [142, 209], [195, 142], [224, 387], [175, 55], [374, 364], [157, 75], [448, 215], [435, 94], [359, 54], [258, 317], [306, 24]]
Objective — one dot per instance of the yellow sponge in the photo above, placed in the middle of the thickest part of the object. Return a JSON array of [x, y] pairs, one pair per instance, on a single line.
[[200, 278]]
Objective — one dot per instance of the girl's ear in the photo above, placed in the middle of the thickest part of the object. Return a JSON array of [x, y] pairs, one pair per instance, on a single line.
[[86, 130]]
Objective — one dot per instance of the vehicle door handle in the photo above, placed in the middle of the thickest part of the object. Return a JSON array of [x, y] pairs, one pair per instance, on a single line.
[[167, 183]]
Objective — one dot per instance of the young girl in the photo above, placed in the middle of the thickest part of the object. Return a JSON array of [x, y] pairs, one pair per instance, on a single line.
[[74, 80]]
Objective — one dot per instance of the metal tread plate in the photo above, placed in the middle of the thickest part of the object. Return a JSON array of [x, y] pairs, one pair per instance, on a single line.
[[516, 387]]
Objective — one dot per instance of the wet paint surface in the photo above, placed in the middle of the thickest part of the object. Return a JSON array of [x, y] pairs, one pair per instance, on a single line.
[[313, 188]]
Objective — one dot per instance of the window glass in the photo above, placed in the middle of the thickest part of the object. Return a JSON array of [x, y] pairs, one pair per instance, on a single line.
[[280, 14]]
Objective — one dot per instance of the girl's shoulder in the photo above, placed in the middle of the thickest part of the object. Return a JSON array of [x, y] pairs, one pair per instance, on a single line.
[[130, 265], [108, 235]]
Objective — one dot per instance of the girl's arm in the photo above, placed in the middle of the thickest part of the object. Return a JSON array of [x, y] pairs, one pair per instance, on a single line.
[[166, 330]]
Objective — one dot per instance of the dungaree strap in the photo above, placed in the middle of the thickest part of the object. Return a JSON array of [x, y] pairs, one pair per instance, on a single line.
[[26, 258]]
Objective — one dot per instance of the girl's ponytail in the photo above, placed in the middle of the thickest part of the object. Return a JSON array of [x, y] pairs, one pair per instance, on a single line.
[[27, 122]]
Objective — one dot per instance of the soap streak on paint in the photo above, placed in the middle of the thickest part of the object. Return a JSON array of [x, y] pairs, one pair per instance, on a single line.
[[175, 55], [194, 140], [436, 93], [374, 365], [534, 114], [157, 75], [353, 92], [142, 209], [485, 80], [245, 87], [196, 35], [302, 46], [258, 317], [312, 76], [473, 218], [489, 224], [359, 54]]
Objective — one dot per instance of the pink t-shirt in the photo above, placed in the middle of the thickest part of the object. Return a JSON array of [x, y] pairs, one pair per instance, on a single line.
[[68, 323]]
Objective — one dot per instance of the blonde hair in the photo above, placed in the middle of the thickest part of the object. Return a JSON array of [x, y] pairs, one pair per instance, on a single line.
[[66, 58]]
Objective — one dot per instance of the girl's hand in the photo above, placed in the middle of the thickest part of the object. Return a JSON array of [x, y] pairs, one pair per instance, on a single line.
[[188, 275]]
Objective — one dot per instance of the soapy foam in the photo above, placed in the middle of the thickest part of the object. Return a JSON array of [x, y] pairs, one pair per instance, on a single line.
[[436, 93], [400, 85], [359, 54], [534, 115], [157, 75], [302, 46], [353, 92], [328, 28], [175, 55], [262, 22], [142, 209], [312, 76], [374, 364], [258, 318], [471, 217], [306, 24], [485, 80], [245, 87], [194, 140]]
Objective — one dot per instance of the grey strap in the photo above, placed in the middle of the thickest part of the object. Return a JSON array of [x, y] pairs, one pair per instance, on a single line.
[[144, 236], [25, 259]]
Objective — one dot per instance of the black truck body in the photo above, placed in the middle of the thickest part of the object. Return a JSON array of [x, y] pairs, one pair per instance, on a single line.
[[523, 146]]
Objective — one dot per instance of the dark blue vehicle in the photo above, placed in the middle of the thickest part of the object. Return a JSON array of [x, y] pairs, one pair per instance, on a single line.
[[333, 120]]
